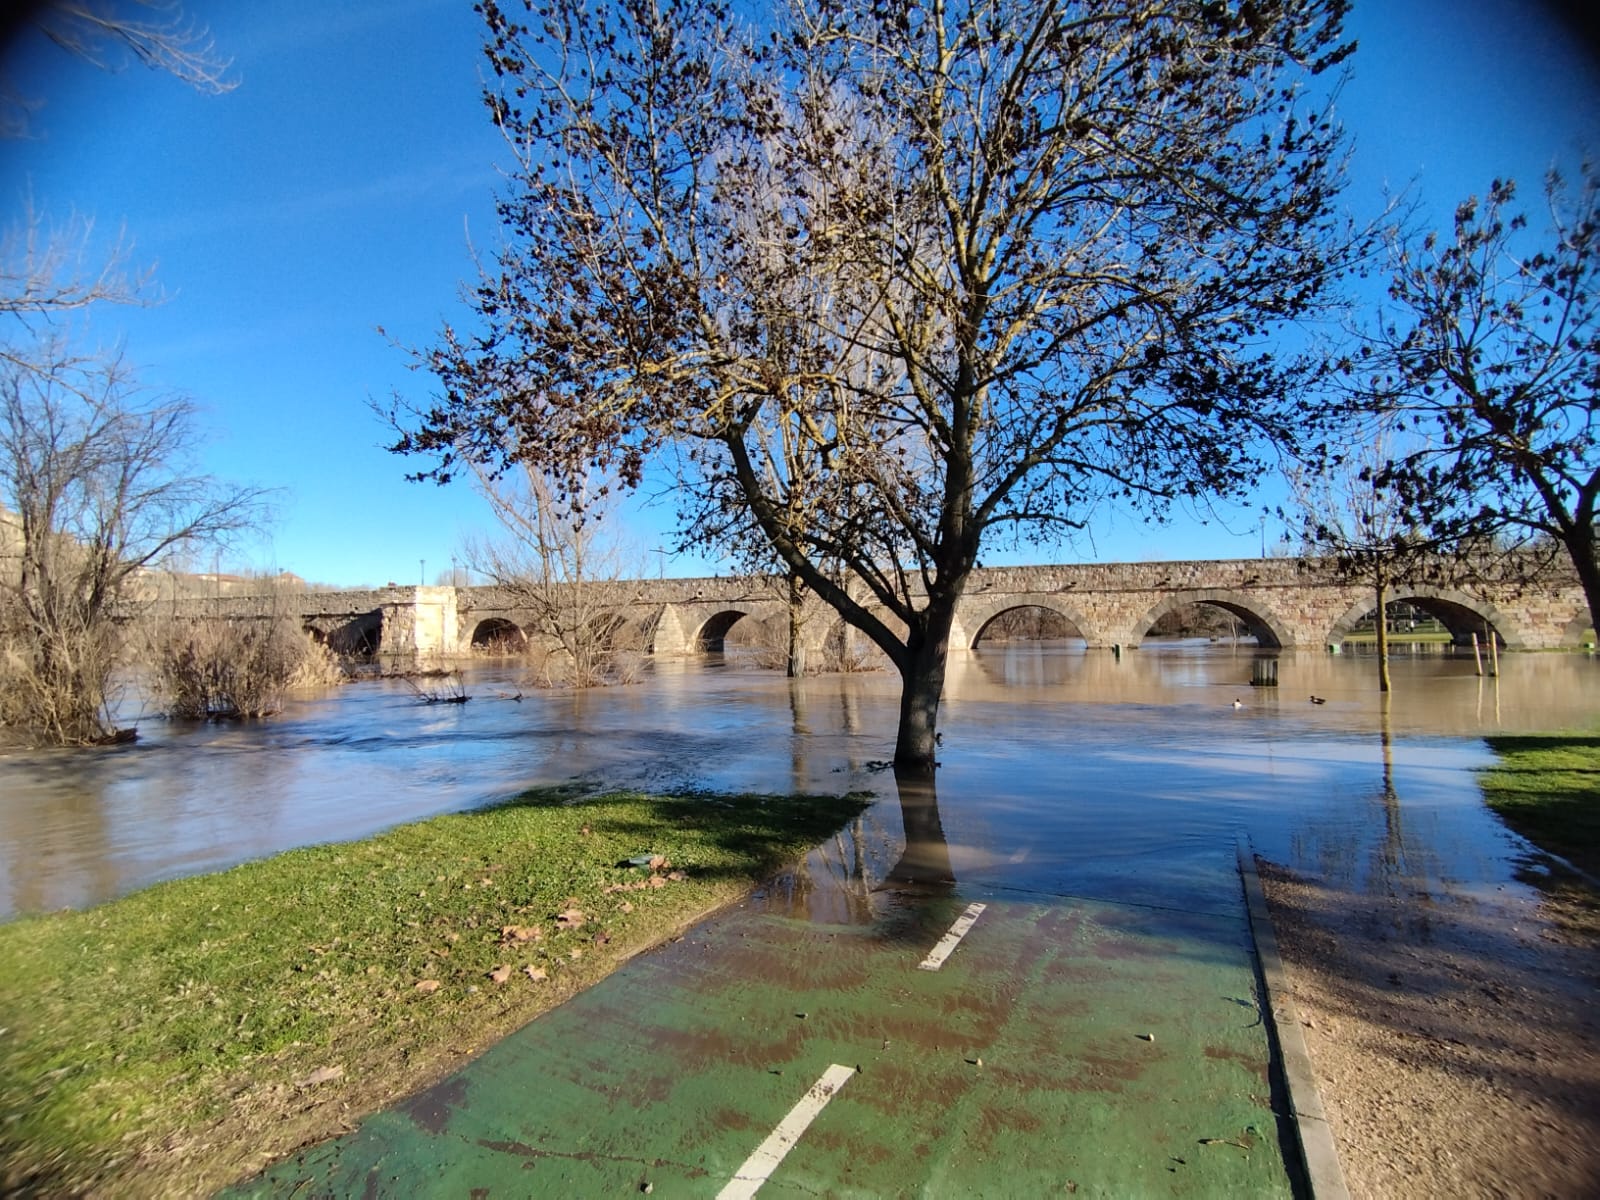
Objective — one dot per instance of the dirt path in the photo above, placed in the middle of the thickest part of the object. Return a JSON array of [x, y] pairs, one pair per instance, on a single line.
[[1456, 1042]]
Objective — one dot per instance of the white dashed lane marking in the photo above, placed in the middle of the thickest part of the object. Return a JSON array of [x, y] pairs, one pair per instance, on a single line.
[[758, 1168], [951, 940]]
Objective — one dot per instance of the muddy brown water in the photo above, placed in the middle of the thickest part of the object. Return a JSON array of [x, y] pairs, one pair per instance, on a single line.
[[1063, 771]]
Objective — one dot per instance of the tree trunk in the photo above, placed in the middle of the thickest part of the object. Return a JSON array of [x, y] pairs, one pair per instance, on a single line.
[[1581, 549], [922, 687], [1382, 589], [796, 664]]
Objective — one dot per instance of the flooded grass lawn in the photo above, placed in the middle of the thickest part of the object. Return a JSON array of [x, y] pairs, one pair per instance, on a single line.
[[1548, 790], [1128, 780]]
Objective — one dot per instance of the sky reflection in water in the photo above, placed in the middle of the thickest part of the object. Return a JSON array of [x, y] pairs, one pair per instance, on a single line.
[[1063, 772]]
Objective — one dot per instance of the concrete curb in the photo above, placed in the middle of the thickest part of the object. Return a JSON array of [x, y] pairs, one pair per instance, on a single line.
[[1318, 1154]]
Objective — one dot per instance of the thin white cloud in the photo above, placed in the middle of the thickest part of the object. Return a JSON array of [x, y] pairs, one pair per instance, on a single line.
[[432, 182]]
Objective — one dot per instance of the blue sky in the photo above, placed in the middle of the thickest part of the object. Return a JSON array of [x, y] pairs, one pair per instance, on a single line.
[[335, 190]]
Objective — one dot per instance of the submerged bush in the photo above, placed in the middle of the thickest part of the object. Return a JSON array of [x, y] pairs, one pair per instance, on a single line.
[[215, 668], [56, 683]]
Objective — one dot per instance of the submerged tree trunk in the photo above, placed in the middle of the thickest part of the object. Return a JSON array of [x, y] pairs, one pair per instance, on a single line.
[[795, 666], [1382, 588], [922, 673]]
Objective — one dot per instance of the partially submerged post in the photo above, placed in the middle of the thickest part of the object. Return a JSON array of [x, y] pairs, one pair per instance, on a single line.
[[1264, 673]]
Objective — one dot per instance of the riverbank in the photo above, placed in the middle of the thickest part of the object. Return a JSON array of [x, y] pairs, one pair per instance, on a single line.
[[1456, 1044], [1547, 788], [186, 1035]]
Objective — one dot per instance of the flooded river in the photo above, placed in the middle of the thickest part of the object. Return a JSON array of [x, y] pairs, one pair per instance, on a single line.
[[1062, 770]]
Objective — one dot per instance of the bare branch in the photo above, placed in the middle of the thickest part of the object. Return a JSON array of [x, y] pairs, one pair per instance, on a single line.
[[107, 33], [883, 279]]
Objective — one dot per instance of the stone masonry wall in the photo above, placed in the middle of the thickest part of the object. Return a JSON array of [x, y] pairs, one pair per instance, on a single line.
[[1284, 601]]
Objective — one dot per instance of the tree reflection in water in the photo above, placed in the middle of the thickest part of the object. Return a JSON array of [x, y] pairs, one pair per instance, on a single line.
[[845, 880], [924, 864]]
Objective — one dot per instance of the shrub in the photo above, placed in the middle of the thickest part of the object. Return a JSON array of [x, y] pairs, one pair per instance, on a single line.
[[216, 669]]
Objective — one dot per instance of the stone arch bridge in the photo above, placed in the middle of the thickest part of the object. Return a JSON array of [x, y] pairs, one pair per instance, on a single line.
[[1284, 602]]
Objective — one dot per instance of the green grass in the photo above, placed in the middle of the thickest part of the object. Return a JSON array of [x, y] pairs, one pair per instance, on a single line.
[[173, 1040], [1547, 788]]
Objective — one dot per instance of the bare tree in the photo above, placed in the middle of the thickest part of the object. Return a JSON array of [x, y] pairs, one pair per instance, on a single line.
[[96, 476], [49, 269], [95, 471], [561, 567], [988, 266], [1344, 512], [1494, 353]]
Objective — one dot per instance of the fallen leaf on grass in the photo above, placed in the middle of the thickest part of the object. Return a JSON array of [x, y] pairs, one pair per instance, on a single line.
[[500, 974], [602, 938], [520, 933], [428, 986], [627, 906], [320, 1075], [572, 918], [537, 974]]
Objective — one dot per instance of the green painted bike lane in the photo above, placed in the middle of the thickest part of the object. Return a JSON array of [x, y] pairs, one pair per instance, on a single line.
[[1065, 1047]]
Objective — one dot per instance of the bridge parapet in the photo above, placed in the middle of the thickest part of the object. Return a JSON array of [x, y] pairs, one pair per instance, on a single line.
[[402, 621], [1284, 601]]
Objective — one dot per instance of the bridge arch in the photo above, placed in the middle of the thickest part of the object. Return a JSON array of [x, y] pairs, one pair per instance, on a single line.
[[497, 635], [1462, 615], [607, 630], [712, 635], [846, 648], [635, 630], [977, 613], [358, 636], [1267, 627]]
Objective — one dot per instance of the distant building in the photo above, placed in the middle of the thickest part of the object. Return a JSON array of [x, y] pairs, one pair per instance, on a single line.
[[155, 584], [10, 547]]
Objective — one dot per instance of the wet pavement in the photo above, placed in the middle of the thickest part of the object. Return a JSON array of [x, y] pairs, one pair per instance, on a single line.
[[1061, 1046]]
